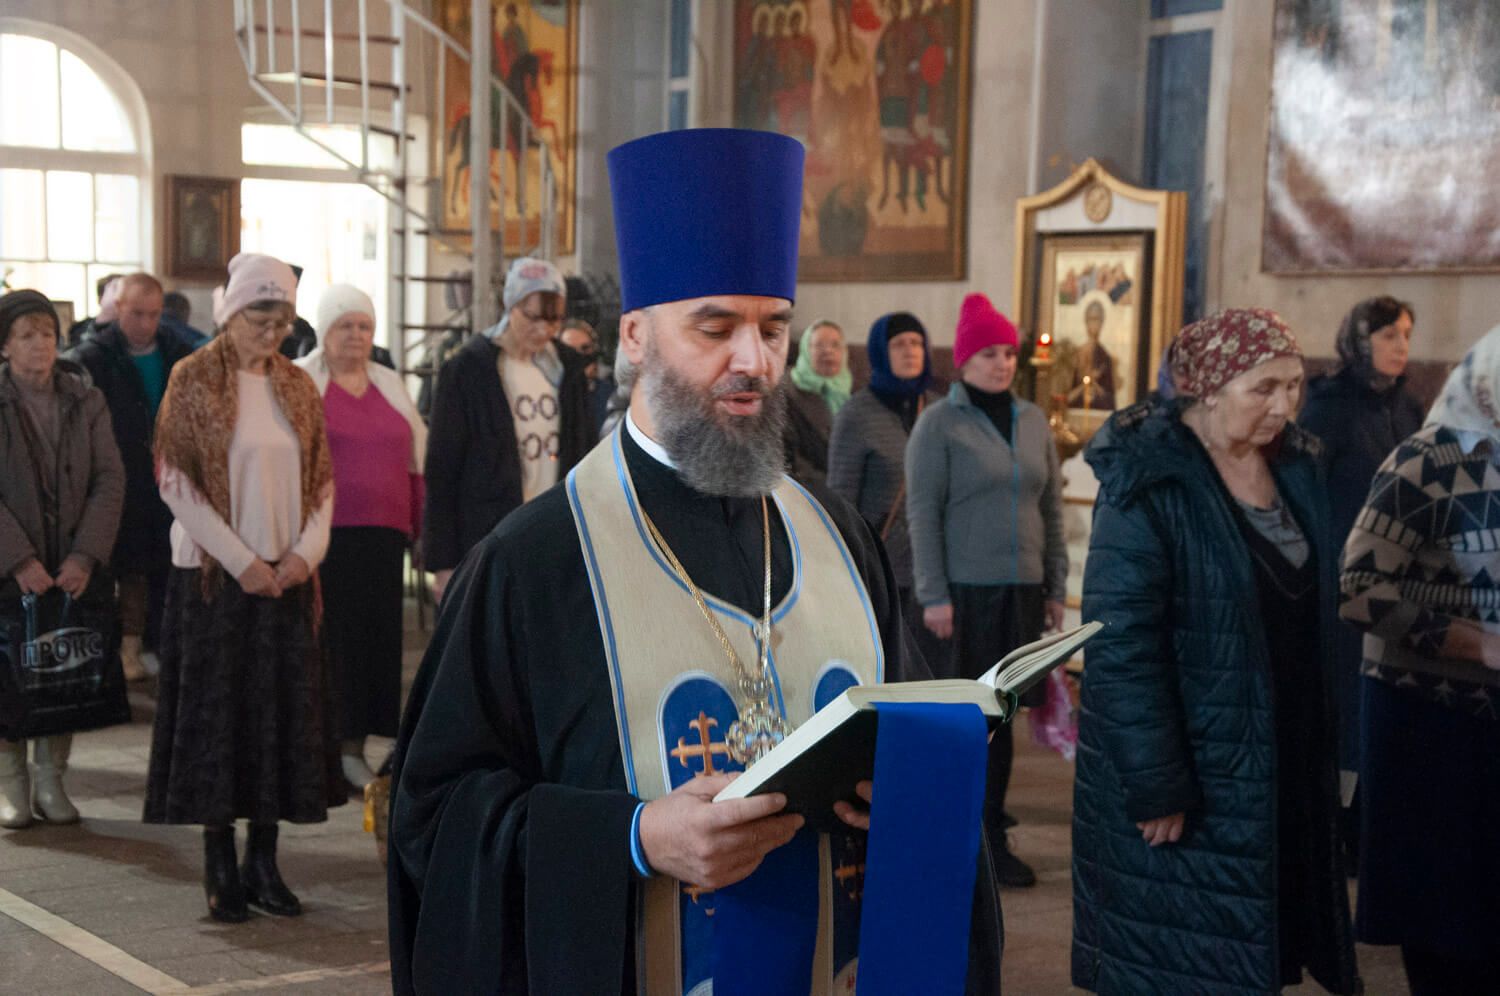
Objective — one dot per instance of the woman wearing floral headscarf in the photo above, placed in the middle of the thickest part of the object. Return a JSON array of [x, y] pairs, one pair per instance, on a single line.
[[820, 386], [245, 728], [1205, 853], [1420, 579], [1360, 412]]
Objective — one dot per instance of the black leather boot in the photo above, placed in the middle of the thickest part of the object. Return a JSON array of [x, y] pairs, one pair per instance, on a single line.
[[221, 878], [263, 885]]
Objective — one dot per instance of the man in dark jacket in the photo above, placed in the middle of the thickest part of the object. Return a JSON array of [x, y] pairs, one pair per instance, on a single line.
[[510, 418], [130, 360]]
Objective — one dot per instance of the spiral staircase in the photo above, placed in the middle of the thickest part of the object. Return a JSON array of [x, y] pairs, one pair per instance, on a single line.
[[321, 63]]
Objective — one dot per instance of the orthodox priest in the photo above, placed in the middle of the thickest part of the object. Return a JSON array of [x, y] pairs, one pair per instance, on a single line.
[[617, 648]]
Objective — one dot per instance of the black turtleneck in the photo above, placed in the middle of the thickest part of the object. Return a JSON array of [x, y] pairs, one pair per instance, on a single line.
[[998, 406]]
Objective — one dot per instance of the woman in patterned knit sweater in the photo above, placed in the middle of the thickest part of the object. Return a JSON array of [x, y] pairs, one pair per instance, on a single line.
[[1420, 577]]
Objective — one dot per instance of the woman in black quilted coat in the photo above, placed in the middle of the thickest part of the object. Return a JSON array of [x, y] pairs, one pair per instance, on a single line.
[[1205, 855]]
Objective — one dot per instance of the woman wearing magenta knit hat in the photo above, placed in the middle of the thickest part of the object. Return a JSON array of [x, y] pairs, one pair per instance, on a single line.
[[1205, 841], [984, 501]]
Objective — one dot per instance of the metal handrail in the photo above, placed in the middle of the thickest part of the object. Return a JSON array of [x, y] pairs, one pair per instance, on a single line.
[[245, 21], [392, 180]]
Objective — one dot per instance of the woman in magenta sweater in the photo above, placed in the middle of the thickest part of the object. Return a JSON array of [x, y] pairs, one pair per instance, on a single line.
[[378, 442]]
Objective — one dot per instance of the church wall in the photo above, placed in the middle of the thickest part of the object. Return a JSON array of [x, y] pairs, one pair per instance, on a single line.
[[1092, 78], [622, 51], [999, 158], [182, 55], [1452, 311], [1032, 118], [1029, 121], [1088, 91]]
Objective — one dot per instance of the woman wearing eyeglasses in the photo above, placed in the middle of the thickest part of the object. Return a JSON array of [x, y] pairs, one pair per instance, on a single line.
[[509, 420], [244, 723]]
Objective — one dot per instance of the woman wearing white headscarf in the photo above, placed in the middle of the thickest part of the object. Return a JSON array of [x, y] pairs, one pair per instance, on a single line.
[[1420, 578], [378, 442]]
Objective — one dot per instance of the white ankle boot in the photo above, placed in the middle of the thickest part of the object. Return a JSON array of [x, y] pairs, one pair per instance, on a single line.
[[15, 785], [51, 757], [130, 658]]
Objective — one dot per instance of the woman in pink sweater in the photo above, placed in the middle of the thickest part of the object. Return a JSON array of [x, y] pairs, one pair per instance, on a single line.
[[378, 443]]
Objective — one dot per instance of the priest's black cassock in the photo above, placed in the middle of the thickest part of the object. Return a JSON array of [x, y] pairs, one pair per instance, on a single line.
[[510, 867]]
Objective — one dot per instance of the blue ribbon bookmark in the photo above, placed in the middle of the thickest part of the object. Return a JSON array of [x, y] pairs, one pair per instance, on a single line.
[[766, 927], [923, 850]]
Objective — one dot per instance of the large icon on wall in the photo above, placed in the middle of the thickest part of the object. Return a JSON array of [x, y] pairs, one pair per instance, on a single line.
[[878, 92], [1384, 137], [535, 57]]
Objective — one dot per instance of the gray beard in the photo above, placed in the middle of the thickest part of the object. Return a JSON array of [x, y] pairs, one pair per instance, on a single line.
[[741, 456]]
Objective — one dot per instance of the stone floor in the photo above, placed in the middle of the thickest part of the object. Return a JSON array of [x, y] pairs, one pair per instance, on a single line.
[[113, 906]]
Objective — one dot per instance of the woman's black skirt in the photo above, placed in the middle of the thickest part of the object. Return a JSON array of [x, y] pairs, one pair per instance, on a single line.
[[362, 627], [989, 621], [1429, 859], [244, 710]]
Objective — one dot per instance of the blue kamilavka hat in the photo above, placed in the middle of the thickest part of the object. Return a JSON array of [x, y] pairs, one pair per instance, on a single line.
[[706, 211]]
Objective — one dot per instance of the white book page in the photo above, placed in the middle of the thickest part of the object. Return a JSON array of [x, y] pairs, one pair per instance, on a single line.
[[1020, 664]]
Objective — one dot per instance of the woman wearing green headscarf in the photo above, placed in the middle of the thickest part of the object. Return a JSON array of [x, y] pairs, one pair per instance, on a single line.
[[820, 386]]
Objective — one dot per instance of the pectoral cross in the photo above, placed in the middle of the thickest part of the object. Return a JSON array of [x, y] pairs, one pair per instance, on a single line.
[[705, 749]]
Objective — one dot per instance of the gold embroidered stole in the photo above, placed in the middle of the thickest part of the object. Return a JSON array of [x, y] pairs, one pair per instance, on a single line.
[[672, 687]]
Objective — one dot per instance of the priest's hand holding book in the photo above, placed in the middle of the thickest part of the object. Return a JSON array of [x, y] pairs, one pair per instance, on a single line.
[[714, 831], [686, 835]]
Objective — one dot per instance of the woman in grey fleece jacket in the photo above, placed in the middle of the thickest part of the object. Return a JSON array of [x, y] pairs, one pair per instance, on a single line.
[[984, 504]]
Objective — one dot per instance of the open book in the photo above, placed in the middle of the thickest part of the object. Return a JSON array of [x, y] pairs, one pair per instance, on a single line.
[[819, 762]]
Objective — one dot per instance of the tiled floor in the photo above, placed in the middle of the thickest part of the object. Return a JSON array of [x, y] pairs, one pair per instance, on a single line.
[[113, 892]]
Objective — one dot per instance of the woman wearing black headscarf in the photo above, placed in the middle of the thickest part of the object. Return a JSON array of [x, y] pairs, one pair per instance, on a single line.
[[1361, 412], [867, 454]]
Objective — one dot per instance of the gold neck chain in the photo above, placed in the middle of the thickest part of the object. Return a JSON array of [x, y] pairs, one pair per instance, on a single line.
[[760, 727]]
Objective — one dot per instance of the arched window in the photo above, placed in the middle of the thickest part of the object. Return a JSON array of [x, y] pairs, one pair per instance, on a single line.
[[74, 196]]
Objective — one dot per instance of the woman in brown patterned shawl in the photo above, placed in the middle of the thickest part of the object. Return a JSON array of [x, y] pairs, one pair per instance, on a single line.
[[244, 719]]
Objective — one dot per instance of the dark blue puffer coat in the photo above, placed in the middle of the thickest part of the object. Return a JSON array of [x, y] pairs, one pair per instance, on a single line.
[[1178, 716]]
